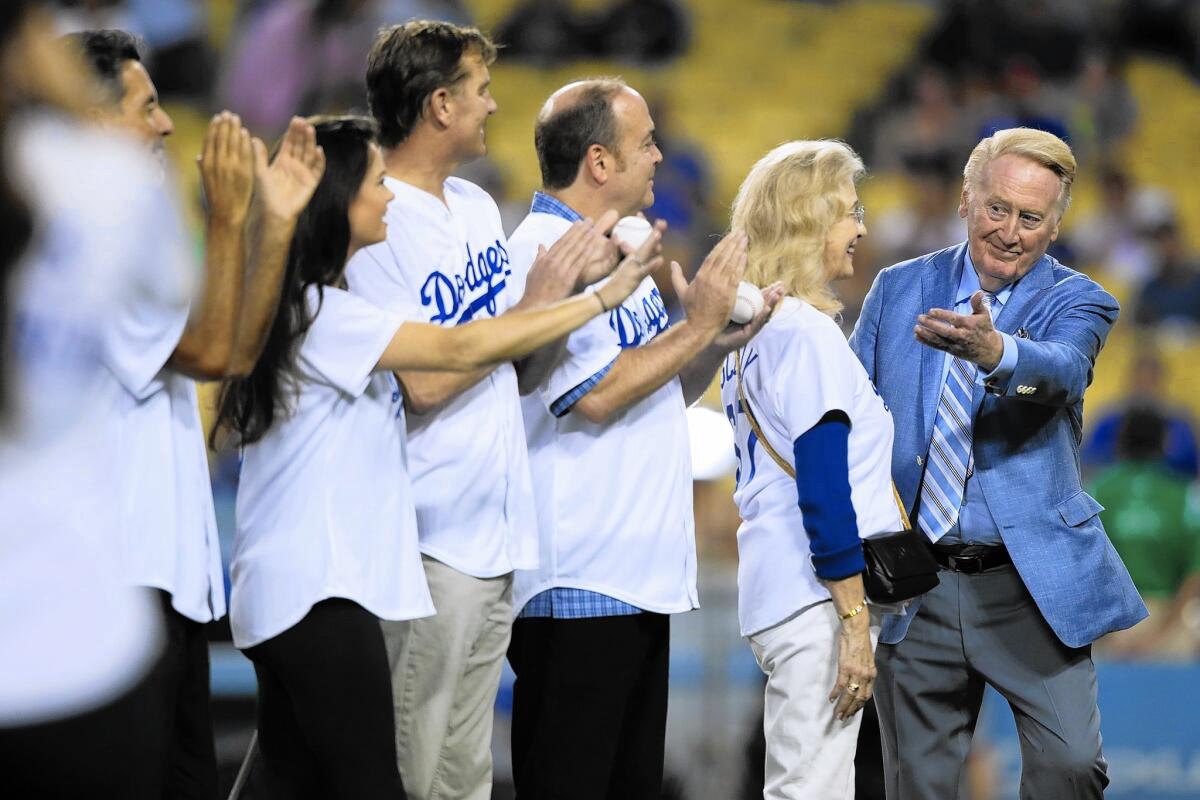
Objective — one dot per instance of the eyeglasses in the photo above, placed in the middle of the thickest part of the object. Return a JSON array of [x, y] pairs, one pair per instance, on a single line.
[[859, 212]]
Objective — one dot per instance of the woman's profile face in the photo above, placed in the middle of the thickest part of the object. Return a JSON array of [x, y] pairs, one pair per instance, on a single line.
[[367, 226], [844, 234]]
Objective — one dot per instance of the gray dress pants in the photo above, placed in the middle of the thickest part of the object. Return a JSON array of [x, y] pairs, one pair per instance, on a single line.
[[978, 630]]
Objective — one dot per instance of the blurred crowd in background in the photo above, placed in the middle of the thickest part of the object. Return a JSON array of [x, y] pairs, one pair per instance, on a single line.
[[912, 86]]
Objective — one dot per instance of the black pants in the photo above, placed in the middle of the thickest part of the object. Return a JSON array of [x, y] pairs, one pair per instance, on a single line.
[[174, 713], [589, 707], [91, 755], [153, 743], [325, 722]]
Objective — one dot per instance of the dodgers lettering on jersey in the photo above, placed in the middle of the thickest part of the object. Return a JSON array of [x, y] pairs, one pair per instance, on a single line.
[[459, 297], [639, 322]]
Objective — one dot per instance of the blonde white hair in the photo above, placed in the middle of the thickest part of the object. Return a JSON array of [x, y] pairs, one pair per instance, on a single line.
[[1043, 148], [786, 206]]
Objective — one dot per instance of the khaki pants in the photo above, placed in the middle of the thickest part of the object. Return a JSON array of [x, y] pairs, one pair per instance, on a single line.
[[445, 673]]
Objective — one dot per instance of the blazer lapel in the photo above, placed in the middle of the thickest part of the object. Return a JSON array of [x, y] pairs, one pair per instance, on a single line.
[[939, 281]]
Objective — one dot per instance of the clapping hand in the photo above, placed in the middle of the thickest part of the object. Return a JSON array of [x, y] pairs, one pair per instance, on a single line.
[[555, 272], [709, 298], [286, 184], [604, 256], [227, 169]]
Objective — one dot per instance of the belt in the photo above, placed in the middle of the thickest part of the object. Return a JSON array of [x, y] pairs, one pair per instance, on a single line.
[[970, 559]]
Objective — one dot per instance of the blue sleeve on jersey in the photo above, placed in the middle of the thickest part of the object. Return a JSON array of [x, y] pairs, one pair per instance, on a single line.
[[823, 486], [565, 403]]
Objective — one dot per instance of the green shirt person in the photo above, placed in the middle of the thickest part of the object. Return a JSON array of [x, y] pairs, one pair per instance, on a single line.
[[1152, 516]]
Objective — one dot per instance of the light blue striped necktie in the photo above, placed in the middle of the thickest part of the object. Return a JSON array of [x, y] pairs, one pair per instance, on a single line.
[[949, 460]]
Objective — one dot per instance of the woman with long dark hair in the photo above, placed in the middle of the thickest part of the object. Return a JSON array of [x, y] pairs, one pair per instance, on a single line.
[[327, 541]]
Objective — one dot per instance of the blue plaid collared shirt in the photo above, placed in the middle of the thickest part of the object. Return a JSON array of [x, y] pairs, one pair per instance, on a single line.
[[545, 204], [563, 602], [562, 405]]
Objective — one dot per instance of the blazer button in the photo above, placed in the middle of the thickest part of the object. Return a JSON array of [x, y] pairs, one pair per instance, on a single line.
[[920, 461]]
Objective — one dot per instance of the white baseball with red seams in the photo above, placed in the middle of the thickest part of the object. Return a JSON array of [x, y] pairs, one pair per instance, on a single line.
[[748, 303]]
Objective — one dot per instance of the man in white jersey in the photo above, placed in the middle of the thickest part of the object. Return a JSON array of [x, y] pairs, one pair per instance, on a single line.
[[76, 638], [156, 346], [446, 261], [608, 444]]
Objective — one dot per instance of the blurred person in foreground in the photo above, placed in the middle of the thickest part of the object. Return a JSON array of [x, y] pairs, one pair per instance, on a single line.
[[1152, 515], [327, 534], [608, 447], [80, 213], [801, 599], [193, 325], [446, 261], [983, 352]]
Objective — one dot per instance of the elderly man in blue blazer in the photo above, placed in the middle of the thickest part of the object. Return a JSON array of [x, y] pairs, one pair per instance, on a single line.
[[983, 352]]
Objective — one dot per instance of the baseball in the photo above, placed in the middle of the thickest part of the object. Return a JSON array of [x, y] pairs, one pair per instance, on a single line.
[[748, 303], [633, 231]]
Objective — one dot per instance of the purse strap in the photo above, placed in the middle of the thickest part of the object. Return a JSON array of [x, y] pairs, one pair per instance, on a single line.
[[788, 469]]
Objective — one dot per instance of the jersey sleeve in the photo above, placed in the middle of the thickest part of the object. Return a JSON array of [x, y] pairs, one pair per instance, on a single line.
[[346, 340], [813, 376], [589, 354], [152, 312]]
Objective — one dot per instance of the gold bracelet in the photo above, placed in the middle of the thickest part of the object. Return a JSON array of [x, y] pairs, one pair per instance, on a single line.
[[854, 612], [603, 305]]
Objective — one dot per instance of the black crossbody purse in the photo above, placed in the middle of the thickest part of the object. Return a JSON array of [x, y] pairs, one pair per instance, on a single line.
[[899, 565]]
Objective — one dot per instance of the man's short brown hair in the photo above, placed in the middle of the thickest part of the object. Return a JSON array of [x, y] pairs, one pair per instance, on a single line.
[[408, 63], [562, 136]]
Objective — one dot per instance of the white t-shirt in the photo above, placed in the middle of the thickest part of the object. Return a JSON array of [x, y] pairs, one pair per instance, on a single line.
[[797, 369], [614, 499], [74, 634], [324, 505], [449, 264], [169, 527]]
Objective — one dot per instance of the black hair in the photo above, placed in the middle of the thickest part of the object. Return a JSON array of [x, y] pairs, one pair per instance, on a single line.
[[562, 139], [410, 62], [106, 52], [317, 257]]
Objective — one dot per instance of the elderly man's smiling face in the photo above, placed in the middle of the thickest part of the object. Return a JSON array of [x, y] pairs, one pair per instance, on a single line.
[[1012, 217]]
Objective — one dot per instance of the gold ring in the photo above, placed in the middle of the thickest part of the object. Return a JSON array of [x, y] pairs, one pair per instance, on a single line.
[[852, 688]]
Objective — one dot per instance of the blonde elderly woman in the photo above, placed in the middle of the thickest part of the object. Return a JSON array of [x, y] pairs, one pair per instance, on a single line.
[[814, 445]]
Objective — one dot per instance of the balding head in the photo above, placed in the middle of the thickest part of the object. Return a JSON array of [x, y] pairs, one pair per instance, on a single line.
[[573, 119]]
